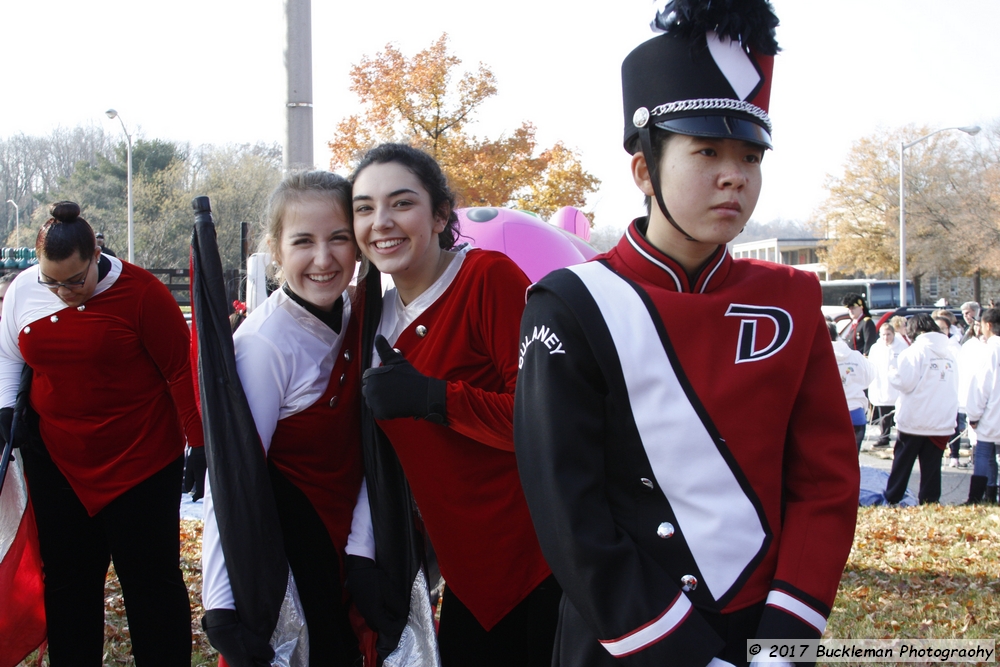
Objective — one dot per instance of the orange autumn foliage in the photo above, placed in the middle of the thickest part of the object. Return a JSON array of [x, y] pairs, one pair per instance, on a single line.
[[424, 102]]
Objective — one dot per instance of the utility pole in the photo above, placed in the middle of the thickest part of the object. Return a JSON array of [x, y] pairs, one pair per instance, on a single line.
[[298, 149]]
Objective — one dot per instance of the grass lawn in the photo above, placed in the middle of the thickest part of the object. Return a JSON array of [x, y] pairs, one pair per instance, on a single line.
[[927, 572]]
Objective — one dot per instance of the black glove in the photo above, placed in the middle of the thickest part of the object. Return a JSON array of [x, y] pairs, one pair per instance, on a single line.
[[6, 419], [397, 389], [238, 646], [372, 594]]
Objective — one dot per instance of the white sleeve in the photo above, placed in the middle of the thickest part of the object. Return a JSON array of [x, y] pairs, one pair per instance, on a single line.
[[869, 372], [264, 375], [361, 541], [904, 373], [11, 360], [979, 390], [216, 591]]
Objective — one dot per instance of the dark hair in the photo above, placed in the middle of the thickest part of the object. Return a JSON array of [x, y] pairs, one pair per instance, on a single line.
[[833, 330], [920, 323], [855, 299], [65, 233], [991, 316], [431, 177]]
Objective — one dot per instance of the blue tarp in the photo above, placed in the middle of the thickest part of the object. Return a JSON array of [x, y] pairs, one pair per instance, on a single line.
[[873, 483]]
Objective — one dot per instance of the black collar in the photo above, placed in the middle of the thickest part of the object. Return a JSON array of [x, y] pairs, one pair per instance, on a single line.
[[103, 267], [333, 319]]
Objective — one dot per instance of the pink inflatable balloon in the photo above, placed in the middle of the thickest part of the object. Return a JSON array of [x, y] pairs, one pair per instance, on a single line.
[[535, 246]]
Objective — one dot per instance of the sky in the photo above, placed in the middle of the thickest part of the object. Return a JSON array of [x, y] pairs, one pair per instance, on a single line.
[[212, 71]]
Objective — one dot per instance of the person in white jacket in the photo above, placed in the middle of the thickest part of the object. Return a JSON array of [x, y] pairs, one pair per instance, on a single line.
[[926, 376], [882, 394], [983, 407], [856, 373]]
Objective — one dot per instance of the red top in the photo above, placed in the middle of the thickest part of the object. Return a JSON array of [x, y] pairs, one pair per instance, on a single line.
[[464, 475], [317, 449], [800, 460], [110, 379]]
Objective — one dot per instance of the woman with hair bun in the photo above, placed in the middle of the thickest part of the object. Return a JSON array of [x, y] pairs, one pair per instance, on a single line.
[[112, 400], [441, 390]]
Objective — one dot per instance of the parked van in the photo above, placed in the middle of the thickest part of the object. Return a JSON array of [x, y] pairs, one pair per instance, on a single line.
[[879, 294]]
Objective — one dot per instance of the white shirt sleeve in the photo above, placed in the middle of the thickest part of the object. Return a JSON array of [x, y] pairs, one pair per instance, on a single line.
[[11, 360], [216, 591], [361, 541], [264, 375]]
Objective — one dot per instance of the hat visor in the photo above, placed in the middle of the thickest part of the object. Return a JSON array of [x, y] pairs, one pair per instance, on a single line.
[[721, 127]]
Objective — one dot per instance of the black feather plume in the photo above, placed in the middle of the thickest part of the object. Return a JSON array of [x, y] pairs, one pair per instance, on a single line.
[[750, 22]]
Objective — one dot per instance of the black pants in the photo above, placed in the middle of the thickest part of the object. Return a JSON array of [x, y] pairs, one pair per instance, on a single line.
[[885, 417], [195, 468], [139, 531], [316, 567], [522, 638], [910, 448]]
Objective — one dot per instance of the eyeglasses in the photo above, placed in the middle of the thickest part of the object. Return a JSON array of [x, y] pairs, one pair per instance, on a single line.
[[71, 285]]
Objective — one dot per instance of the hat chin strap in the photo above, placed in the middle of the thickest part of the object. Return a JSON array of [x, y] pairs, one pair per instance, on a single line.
[[654, 175]]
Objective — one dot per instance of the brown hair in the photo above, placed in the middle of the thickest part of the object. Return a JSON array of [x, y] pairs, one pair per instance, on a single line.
[[301, 185], [65, 233]]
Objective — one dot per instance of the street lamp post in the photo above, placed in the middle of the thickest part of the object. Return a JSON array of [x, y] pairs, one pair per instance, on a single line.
[[970, 130], [111, 113], [17, 223]]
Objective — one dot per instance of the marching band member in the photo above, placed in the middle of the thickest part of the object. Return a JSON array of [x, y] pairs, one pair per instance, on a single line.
[[692, 485], [104, 475]]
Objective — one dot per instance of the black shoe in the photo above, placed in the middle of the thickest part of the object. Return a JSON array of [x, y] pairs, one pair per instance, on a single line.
[[880, 445], [977, 489]]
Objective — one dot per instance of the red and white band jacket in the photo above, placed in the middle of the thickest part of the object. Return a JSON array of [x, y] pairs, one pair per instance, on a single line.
[[684, 449]]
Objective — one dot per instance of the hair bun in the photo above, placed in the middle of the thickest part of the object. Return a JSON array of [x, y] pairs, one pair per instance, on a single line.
[[65, 211]]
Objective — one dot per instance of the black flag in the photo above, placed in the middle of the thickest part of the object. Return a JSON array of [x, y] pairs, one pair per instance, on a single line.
[[245, 508]]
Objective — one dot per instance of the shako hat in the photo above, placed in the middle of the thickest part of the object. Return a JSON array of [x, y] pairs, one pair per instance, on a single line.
[[708, 74]]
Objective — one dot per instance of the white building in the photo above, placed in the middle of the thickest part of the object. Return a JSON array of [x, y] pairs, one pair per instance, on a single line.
[[800, 253]]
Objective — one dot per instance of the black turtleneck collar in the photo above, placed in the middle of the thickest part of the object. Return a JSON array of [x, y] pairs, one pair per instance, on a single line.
[[103, 267], [333, 319]]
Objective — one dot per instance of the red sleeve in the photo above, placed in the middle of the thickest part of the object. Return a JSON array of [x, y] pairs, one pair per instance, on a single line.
[[165, 336], [821, 498], [495, 318]]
